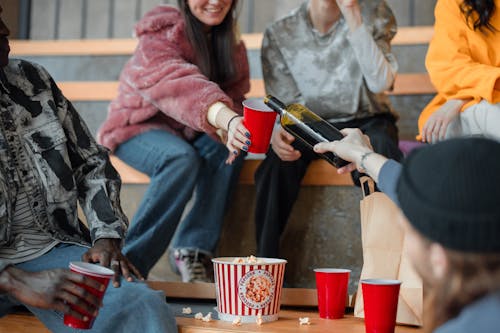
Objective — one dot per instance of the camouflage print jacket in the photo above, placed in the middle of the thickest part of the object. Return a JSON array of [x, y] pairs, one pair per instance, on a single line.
[[64, 162]]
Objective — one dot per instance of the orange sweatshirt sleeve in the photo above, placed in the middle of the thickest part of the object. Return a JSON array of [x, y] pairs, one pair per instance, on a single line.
[[462, 63], [457, 58]]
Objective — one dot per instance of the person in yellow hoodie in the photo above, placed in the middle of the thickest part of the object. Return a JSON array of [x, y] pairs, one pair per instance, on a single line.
[[463, 62]]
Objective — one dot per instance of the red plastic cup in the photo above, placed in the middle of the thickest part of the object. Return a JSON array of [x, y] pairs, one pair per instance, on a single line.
[[96, 272], [380, 299], [331, 285], [259, 119]]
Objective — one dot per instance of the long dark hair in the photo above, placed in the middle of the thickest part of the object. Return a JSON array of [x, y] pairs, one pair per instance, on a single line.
[[484, 10], [214, 51]]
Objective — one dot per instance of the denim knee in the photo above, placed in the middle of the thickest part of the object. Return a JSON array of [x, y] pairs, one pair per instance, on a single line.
[[140, 309], [180, 162]]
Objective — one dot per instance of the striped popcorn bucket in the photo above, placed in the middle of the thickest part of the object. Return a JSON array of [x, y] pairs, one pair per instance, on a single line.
[[248, 290]]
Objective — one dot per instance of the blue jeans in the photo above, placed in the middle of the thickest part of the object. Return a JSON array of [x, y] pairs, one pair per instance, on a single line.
[[133, 307], [177, 168]]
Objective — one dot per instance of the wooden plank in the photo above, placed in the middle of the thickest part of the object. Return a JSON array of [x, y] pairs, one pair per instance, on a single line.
[[413, 35], [22, 323], [413, 84], [405, 84], [128, 174], [89, 91], [126, 46], [288, 322], [319, 173], [73, 47]]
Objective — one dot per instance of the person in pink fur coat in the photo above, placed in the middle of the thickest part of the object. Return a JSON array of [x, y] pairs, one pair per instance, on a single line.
[[177, 118]]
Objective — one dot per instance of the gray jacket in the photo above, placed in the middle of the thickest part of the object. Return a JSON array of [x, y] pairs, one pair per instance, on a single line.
[[64, 162], [339, 75]]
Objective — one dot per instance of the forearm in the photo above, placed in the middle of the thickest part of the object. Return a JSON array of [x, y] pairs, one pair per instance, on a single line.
[[378, 72], [371, 163]]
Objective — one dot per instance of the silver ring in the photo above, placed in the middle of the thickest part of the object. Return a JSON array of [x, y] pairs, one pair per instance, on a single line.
[[115, 263]]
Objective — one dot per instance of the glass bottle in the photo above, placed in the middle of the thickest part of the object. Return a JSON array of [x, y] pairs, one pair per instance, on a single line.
[[306, 126]]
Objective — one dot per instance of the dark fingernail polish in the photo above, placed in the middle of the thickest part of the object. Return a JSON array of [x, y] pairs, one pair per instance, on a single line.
[[245, 148], [235, 152], [248, 142], [247, 134]]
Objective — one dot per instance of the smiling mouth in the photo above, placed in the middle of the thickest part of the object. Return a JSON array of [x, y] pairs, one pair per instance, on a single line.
[[213, 10]]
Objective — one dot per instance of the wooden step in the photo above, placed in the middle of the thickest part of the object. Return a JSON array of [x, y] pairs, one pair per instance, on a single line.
[[319, 173], [126, 46], [95, 91]]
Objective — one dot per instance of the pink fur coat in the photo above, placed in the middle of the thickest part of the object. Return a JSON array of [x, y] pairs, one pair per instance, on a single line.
[[161, 88]]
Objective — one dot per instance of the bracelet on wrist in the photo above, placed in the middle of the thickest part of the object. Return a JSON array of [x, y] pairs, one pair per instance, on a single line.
[[363, 159], [230, 120]]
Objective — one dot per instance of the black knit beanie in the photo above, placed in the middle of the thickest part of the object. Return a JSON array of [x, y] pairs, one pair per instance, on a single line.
[[450, 193]]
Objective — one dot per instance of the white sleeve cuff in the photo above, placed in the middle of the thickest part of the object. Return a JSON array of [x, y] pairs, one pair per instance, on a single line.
[[213, 111]]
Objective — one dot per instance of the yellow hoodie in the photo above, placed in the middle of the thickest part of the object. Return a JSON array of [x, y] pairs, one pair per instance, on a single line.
[[462, 63]]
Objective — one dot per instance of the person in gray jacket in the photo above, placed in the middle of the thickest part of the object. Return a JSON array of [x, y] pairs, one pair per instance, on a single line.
[[449, 195], [334, 56], [48, 162]]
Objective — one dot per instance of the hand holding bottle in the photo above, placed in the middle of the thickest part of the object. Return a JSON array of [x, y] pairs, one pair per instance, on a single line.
[[356, 148], [307, 126], [281, 144]]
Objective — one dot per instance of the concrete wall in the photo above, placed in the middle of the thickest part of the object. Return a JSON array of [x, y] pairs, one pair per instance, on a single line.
[[58, 19]]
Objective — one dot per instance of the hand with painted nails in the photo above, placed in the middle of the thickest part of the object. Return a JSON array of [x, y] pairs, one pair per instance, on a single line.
[[281, 142], [238, 138]]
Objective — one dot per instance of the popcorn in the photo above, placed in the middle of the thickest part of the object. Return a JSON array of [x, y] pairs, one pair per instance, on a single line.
[[207, 318], [237, 321], [252, 260], [186, 310], [248, 260], [198, 316], [259, 319], [238, 261], [304, 321]]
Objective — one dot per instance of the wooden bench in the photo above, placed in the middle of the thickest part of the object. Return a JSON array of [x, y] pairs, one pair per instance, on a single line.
[[287, 322], [296, 303], [125, 46], [320, 172]]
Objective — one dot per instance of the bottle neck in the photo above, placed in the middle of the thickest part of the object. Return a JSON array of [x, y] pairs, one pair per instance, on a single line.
[[275, 104]]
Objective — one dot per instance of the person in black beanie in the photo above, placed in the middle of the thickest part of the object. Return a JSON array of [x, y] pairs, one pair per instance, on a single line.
[[449, 195]]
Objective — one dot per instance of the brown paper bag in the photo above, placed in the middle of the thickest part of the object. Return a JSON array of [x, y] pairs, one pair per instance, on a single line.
[[384, 254]]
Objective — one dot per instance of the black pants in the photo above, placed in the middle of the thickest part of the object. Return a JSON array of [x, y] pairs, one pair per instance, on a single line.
[[278, 182]]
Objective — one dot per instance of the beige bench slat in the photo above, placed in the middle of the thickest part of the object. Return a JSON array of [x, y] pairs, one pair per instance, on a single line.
[[413, 35], [320, 173], [413, 84], [126, 46], [128, 174], [73, 47], [89, 91], [80, 91]]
